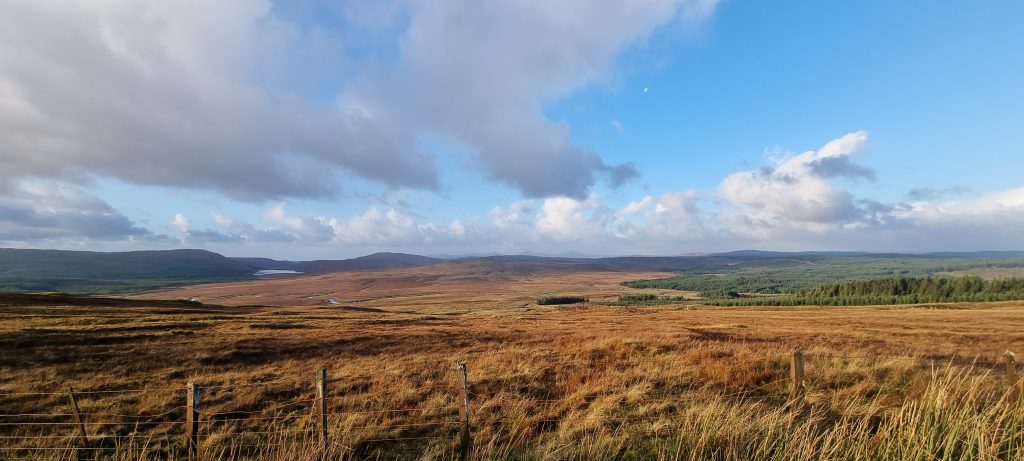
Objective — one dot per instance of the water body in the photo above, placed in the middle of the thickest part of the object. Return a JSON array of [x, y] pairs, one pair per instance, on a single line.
[[275, 272]]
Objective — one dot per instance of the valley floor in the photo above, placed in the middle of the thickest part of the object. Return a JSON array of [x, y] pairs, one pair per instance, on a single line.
[[577, 382]]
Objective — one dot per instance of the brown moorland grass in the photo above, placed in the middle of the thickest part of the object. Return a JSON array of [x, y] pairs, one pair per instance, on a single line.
[[459, 284], [547, 382]]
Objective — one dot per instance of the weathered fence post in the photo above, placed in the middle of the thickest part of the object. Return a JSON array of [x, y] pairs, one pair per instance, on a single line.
[[321, 403], [1012, 378], [192, 420], [78, 417], [464, 439], [796, 373]]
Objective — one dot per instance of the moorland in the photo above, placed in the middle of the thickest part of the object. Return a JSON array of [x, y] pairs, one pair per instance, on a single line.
[[600, 379]]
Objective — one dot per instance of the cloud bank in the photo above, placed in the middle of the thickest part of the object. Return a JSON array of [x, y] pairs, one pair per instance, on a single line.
[[215, 95], [791, 203], [39, 212]]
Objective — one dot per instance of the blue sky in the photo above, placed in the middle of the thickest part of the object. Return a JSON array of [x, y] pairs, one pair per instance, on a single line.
[[314, 129]]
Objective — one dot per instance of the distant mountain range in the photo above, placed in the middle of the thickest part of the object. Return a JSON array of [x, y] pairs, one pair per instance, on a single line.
[[374, 261], [164, 264], [25, 270]]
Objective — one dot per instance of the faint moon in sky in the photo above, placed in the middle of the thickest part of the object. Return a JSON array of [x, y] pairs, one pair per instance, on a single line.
[[645, 89]]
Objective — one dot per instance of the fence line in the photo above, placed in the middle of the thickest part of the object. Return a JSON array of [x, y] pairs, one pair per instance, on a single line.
[[197, 416]]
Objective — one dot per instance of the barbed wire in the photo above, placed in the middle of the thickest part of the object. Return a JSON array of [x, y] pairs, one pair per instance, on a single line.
[[53, 448], [82, 392], [89, 423], [83, 414], [259, 384], [235, 420], [279, 407], [393, 410], [394, 439], [92, 438], [307, 432], [399, 426]]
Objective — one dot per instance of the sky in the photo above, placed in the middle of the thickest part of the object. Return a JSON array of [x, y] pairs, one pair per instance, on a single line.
[[310, 129]]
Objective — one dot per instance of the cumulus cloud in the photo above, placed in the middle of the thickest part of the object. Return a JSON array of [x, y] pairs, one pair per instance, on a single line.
[[565, 218], [181, 222], [794, 204], [1008, 204], [195, 94], [523, 55], [985, 221], [456, 228], [168, 93], [671, 217], [669, 223], [796, 189], [42, 211], [391, 227]]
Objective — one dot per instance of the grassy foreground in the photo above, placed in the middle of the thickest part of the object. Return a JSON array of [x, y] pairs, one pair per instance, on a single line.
[[546, 383], [957, 418]]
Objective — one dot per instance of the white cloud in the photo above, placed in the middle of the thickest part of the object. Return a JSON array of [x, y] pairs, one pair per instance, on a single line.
[[41, 211], [456, 228], [277, 215], [669, 218], [569, 219], [194, 94], [669, 223], [796, 190], [637, 206], [181, 222], [390, 227], [511, 216], [222, 221], [175, 93], [789, 205], [794, 203]]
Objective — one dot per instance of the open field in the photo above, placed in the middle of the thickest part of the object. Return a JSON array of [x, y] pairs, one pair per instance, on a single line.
[[547, 382], [454, 286]]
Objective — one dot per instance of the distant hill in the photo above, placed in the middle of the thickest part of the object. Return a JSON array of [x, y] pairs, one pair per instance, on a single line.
[[105, 273], [374, 261], [96, 272], [166, 264]]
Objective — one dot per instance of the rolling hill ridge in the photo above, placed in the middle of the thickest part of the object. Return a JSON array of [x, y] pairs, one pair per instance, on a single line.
[[29, 270]]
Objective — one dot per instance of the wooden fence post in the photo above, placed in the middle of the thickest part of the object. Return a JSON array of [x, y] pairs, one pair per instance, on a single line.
[[321, 403], [192, 417], [796, 373], [465, 442], [1012, 378], [78, 417]]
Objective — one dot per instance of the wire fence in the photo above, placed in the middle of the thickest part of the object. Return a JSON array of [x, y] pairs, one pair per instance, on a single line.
[[443, 414]]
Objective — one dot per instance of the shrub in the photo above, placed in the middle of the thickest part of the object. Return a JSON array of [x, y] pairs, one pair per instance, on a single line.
[[644, 298], [554, 300]]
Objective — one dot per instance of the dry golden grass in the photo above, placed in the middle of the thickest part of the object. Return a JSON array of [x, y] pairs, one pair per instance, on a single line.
[[577, 382], [476, 284]]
